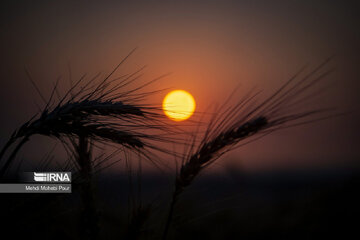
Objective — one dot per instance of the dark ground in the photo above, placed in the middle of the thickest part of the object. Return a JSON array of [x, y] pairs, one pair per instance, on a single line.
[[270, 205]]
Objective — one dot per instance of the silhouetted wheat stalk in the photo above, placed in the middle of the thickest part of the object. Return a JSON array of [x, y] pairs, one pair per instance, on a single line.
[[93, 112], [98, 111], [236, 124], [73, 119], [89, 215]]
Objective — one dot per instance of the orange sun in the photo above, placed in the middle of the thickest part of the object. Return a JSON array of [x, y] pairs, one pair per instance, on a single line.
[[178, 105]]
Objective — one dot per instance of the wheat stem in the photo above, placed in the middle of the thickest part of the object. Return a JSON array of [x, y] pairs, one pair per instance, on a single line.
[[89, 216], [208, 152]]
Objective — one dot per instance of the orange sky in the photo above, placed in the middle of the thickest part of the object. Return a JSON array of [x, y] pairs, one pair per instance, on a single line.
[[210, 47]]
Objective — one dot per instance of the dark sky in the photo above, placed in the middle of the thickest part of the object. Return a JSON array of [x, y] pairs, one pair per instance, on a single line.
[[209, 46]]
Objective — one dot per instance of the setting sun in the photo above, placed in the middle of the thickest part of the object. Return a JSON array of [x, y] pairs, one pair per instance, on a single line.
[[178, 105]]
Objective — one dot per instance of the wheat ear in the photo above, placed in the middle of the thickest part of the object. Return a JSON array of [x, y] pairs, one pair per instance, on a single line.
[[206, 154], [247, 118]]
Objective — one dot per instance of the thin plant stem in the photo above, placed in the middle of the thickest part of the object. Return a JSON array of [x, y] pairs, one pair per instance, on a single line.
[[89, 216]]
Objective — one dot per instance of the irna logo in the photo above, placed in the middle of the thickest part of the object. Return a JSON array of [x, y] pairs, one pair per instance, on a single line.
[[52, 177]]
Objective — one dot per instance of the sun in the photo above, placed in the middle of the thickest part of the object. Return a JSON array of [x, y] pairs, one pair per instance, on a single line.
[[178, 105]]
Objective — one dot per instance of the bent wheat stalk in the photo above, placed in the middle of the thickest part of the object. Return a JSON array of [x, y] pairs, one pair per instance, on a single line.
[[101, 111], [208, 153], [242, 121], [74, 119]]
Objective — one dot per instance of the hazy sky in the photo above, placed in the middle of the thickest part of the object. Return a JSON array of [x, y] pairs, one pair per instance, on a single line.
[[209, 46]]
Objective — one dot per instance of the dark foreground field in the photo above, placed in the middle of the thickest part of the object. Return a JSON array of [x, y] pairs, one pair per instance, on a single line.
[[285, 205]]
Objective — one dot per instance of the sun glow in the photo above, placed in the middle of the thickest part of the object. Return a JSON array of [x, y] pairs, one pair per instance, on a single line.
[[178, 105]]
